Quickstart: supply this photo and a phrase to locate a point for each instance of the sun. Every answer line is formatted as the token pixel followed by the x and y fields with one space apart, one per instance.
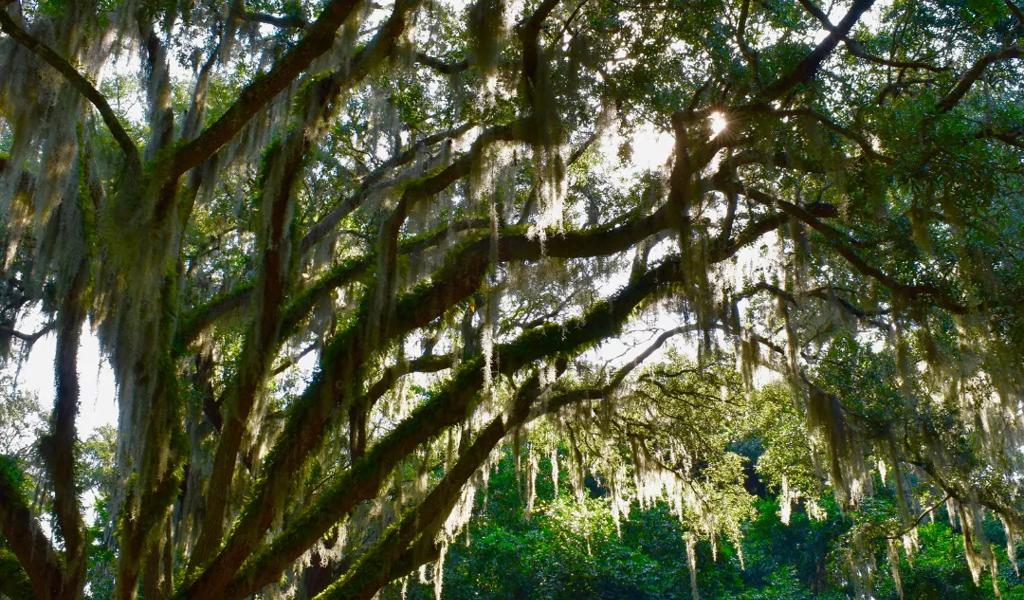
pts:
pixel 718 123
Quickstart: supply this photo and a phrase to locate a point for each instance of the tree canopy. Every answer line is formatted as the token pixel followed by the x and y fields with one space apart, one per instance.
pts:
pixel 440 204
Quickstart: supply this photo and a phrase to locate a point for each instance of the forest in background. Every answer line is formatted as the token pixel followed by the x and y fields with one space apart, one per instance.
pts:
pixel 571 550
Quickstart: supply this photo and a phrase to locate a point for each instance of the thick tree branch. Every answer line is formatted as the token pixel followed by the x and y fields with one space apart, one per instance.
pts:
pixel 283 171
pixel 856 48
pixel 374 569
pixel 443 410
pixel 58 446
pixel 78 81
pixel 311 414
pixel 285 22
pixel 258 349
pixel 809 65
pixel 28 338
pixel 445 68
pixel 1016 12
pixel 263 89
pixel 416 191
pixel 27 540
pixel 1013 137
pixel 963 85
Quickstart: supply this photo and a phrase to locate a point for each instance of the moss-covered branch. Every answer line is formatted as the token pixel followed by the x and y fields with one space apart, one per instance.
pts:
pixel 319 38
pixel 77 80
pixel 841 244
pixel 19 527
pixel 14 582
pixel 444 409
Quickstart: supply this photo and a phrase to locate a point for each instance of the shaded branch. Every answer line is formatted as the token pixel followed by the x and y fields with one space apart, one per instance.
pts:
pixel 741 39
pixel 446 68
pixel 14 582
pixel 285 22
pixel 77 81
pixel 28 338
pixel 26 538
pixel 809 65
pixel 963 85
pixel 264 88
pixel 58 445
pixel 856 48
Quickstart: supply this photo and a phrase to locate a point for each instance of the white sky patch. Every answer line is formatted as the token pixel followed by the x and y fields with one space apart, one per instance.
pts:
pixel 98 393
pixel 651 148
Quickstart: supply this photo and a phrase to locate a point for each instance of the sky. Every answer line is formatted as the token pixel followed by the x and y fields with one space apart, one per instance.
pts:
pixel 98 391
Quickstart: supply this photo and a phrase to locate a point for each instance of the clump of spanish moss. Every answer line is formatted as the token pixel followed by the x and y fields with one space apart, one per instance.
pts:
pixel 486 29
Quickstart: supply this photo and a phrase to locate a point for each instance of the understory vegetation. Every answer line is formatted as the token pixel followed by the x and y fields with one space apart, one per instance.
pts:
pixel 572 550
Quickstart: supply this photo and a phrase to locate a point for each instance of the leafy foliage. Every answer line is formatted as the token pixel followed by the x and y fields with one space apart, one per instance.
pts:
pixel 339 254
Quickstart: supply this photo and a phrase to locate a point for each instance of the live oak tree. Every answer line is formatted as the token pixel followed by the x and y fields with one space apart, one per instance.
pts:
pixel 221 189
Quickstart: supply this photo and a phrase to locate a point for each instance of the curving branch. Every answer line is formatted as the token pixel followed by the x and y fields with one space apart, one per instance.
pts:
pixel 966 81
pixel 842 245
pixel 846 132
pixel 1016 11
pixel 78 81
pixel 856 48
pixel 259 345
pixel 1013 137
pixel 377 567
pixel 319 39
pixel 749 54
pixel 414 192
pixel 28 338
pixel 807 67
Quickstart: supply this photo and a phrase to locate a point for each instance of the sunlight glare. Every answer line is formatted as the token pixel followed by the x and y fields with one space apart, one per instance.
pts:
pixel 651 148
pixel 718 123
